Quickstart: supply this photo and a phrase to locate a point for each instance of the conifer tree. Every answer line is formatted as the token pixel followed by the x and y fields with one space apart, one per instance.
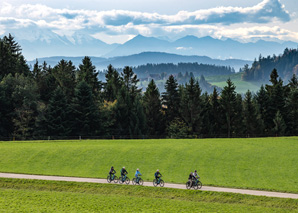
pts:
pixel 228 102
pixel 190 106
pixel 86 116
pixel 171 99
pixel 112 85
pixel 153 110
pixel 216 114
pixel 250 115
pixel 88 73
pixel 64 74
pixel 56 120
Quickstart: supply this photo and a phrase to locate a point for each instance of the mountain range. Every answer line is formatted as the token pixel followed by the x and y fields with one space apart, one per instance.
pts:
pixel 144 58
pixel 37 43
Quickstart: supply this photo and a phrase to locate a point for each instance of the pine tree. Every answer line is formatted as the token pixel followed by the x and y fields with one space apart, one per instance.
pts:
pixel 216 114
pixel 64 74
pixel 292 106
pixel 112 85
pixel 190 106
pixel 238 125
pixel 57 118
pixel 279 124
pixel 153 110
pixel 130 81
pixel 85 112
pixel 250 115
pixel 171 99
pixel 228 102
pixel 88 73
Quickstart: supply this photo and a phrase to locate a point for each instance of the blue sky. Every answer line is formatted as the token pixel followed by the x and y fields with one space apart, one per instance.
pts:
pixel 119 20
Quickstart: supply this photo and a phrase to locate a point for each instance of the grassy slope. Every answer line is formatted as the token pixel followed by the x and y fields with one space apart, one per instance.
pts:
pixel 50 196
pixel 241 86
pixel 260 163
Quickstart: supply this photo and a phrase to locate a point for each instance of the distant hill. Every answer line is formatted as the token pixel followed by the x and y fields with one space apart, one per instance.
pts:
pixel 204 46
pixel 37 43
pixel 286 65
pixel 145 58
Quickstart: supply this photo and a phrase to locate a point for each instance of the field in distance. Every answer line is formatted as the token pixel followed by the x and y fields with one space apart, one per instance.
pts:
pixel 50 196
pixel 241 86
pixel 256 163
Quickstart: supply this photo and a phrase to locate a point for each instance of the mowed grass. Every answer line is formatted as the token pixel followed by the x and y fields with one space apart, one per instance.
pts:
pixel 49 196
pixel 256 163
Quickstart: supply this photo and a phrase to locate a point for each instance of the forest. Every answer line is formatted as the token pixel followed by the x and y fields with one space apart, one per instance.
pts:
pixel 286 64
pixel 65 101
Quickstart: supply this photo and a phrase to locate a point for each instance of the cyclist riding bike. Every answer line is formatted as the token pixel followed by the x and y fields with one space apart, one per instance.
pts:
pixel 112 173
pixel 157 176
pixel 123 173
pixel 196 176
pixel 191 178
pixel 137 174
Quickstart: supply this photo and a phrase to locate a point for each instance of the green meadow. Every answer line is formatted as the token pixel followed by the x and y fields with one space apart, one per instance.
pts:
pixel 50 196
pixel 241 86
pixel 256 163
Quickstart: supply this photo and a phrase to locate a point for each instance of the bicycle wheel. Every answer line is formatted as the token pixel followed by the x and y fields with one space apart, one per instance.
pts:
pixel 200 184
pixel 196 187
pixel 154 182
pixel 188 185
pixel 134 181
pixel 120 180
pixel 162 183
pixel 116 179
pixel 141 181
pixel 127 180
pixel 109 179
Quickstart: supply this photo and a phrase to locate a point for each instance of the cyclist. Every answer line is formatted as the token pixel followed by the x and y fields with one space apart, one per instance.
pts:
pixel 137 174
pixel 190 178
pixel 157 176
pixel 123 173
pixel 196 176
pixel 112 173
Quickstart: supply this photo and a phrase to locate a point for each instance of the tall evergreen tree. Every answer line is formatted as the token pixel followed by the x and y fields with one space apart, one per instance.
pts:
pixel 171 99
pixel 228 102
pixel 216 114
pixel 190 106
pixel 56 119
pixel 86 117
pixel 88 73
pixel 153 110
pixel 64 74
pixel 250 115
pixel 112 85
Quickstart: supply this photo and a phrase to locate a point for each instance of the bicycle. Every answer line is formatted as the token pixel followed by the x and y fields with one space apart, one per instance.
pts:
pixel 125 179
pixel 112 179
pixel 161 182
pixel 134 181
pixel 194 184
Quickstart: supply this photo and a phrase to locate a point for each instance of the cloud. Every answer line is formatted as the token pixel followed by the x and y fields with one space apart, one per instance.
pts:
pixel 217 22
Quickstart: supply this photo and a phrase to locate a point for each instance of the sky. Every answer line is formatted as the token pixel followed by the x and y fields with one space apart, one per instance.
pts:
pixel 116 21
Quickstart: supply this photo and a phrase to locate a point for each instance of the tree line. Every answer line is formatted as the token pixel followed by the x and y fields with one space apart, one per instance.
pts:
pixel 286 64
pixel 64 101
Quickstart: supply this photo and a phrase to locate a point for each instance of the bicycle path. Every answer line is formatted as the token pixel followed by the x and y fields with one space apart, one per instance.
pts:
pixel 167 185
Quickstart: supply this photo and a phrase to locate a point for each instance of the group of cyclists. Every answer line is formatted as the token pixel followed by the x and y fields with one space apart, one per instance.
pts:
pixel 193 177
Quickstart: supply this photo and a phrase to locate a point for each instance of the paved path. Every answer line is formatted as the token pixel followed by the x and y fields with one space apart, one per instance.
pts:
pixel 167 185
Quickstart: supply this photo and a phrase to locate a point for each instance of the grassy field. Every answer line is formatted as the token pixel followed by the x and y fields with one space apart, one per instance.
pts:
pixel 49 196
pixel 241 86
pixel 258 163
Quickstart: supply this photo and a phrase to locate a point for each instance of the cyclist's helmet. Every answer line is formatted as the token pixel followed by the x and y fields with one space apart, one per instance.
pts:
pixel 157 170
pixel 112 167
pixel 123 167
pixel 195 170
pixel 137 169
